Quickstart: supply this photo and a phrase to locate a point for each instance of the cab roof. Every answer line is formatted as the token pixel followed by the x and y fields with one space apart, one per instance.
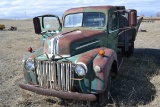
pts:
pixel 89 8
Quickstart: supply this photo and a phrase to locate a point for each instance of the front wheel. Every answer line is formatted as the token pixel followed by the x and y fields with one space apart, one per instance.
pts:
pixel 105 97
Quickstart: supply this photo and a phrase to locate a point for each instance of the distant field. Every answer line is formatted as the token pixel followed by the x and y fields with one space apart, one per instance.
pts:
pixel 137 83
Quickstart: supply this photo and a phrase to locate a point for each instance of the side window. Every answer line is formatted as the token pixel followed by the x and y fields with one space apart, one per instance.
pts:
pixel 94 19
pixel 113 21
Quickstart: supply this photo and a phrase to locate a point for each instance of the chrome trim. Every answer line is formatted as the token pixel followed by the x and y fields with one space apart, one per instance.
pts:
pixel 87 44
pixel 54 46
pixel 55 75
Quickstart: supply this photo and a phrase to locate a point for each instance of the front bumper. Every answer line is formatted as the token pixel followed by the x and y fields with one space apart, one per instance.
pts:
pixel 59 94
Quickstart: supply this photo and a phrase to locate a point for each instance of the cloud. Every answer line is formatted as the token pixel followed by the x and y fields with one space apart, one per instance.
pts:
pixel 30 8
pixel 146 7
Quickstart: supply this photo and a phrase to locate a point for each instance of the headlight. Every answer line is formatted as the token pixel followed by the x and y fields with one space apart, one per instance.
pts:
pixel 81 69
pixel 30 64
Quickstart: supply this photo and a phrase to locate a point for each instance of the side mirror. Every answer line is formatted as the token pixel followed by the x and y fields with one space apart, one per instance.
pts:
pixel 37 25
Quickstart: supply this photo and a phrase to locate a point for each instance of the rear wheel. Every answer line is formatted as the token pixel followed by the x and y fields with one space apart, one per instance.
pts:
pixel 130 51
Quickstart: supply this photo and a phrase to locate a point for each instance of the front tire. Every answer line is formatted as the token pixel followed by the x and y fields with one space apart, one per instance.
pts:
pixel 105 97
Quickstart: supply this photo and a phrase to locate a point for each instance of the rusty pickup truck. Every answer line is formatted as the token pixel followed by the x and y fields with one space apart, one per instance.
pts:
pixel 81 52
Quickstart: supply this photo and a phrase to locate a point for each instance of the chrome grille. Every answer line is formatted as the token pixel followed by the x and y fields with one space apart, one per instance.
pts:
pixel 55 75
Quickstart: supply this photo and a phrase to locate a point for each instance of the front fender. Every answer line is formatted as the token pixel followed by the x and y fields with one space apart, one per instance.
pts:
pixel 96 82
pixel 34 54
pixel 100 79
pixel 29 75
pixel 87 59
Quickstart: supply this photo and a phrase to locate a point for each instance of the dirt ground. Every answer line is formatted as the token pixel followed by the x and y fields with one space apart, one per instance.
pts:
pixel 137 83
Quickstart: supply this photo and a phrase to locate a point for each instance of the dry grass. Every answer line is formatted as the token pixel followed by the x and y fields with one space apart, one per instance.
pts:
pixel 133 85
pixel 137 83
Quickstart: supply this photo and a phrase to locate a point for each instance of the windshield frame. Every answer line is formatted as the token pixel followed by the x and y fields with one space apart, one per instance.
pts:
pixel 82 23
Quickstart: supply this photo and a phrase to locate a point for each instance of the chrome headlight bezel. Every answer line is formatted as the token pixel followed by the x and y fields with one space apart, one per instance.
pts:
pixel 81 69
pixel 30 64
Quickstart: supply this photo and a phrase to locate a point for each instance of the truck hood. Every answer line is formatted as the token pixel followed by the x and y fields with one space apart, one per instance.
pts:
pixel 69 43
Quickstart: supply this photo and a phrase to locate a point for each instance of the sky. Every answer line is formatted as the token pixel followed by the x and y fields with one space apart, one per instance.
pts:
pixel 23 9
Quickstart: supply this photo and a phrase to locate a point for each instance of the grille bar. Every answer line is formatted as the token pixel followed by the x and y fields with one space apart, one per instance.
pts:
pixel 55 75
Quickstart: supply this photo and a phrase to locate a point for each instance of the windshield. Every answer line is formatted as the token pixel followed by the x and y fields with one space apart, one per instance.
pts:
pixel 87 19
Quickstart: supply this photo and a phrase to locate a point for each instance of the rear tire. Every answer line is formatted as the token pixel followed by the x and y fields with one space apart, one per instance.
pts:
pixel 130 51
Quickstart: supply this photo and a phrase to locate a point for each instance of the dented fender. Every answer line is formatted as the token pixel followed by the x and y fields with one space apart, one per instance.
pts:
pixel 99 83
pixel 96 82
pixel 34 54
pixel 29 75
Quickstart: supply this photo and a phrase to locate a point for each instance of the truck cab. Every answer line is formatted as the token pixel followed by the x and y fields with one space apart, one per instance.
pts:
pixel 81 52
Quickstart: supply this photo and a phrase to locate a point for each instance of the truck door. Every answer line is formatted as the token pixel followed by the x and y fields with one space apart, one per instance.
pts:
pixel 47 23
pixel 112 39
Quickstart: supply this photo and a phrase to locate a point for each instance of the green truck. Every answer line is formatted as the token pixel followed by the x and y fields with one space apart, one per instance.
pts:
pixel 81 52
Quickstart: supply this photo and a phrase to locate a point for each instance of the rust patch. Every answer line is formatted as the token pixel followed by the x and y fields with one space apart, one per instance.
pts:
pixel 101 61
pixel 105 63
pixel 59 94
pixel 80 35
pixel 89 56
pixel 82 9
